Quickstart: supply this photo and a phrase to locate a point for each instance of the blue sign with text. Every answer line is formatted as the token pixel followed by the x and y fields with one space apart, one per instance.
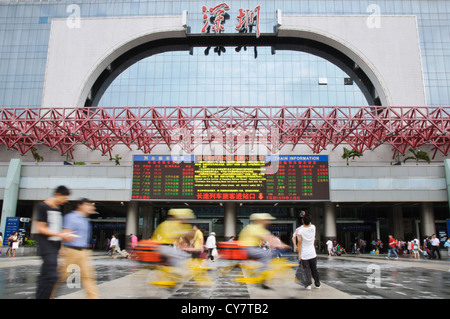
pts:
pixel 12 225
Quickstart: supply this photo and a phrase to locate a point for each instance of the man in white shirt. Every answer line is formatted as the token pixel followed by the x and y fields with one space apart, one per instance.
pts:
pixel 435 246
pixel 307 253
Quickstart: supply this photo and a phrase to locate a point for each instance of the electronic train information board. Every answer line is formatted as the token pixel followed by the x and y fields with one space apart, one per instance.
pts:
pixel 231 178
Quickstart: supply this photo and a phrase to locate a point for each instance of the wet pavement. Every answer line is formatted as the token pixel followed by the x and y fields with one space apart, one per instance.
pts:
pixel 349 277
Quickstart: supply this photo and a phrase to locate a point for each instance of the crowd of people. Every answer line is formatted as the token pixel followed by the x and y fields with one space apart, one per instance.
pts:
pixel 429 249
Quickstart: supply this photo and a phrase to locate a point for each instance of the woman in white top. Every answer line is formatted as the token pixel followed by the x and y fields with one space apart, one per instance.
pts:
pixel 307 253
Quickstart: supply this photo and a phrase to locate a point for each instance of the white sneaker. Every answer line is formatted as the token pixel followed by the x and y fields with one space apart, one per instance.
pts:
pixel 317 287
pixel 308 287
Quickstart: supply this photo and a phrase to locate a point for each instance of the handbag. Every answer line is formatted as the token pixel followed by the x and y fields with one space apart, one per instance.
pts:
pixel 303 275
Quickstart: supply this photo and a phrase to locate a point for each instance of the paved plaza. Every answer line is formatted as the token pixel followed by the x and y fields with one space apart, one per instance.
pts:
pixel 346 277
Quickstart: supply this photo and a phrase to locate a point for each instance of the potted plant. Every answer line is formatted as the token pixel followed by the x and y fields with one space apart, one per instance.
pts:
pixel 37 157
pixel 116 159
pixel 418 155
pixel 350 153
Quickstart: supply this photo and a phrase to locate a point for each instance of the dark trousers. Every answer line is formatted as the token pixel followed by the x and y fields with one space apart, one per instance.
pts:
pixel 311 265
pixel 435 252
pixel 48 276
pixel 210 256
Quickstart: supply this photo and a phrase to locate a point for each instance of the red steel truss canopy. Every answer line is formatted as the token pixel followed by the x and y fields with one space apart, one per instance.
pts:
pixel 102 128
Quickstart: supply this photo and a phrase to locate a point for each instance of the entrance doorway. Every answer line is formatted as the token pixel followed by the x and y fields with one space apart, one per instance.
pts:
pixel 102 229
pixel 350 233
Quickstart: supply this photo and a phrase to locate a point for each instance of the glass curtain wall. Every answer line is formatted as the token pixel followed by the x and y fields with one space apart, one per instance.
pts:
pixel 25 29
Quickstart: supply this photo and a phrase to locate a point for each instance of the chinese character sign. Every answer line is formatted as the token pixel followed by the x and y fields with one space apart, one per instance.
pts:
pixel 217 15
pixel 247 19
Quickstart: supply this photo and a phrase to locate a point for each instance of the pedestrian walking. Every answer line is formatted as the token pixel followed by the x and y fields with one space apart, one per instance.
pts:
pixel 50 235
pixel 197 242
pixel 77 252
pixel 307 253
pixel 114 246
pixel 392 247
pixel 435 243
pixel 211 245
pixel 329 244
pixel 134 241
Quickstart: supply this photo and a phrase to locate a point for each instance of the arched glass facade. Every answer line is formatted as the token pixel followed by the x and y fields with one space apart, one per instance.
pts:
pixel 286 78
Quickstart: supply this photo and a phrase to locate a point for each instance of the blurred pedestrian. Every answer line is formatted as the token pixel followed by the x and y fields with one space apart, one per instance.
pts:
pixel 392 247
pixel 107 243
pixel 415 248
pixel 329 244
pixel 134 241
pixel 211 245
pixel 169 232
pixel 435 243
pixel 13 242
pixel 251 236
pixel 197 242
pixel 77 252
pixel 50 235
pixel 307 253
pixel 114 246
pixel 363 245
pixel 447 245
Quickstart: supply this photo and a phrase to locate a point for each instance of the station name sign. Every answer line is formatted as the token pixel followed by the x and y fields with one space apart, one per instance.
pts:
pixel 214 19
pixel 230 178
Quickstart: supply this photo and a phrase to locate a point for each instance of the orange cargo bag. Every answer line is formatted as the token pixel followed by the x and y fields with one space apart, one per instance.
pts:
pixel 232 250
pixel 147 251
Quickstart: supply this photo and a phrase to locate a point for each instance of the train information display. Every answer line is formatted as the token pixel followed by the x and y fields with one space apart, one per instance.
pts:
pixel 230 178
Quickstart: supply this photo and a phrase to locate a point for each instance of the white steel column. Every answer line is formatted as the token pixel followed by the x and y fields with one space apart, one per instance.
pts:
pixel 329 220
pixel 427 222
pixel 230 219
pixel 132 225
